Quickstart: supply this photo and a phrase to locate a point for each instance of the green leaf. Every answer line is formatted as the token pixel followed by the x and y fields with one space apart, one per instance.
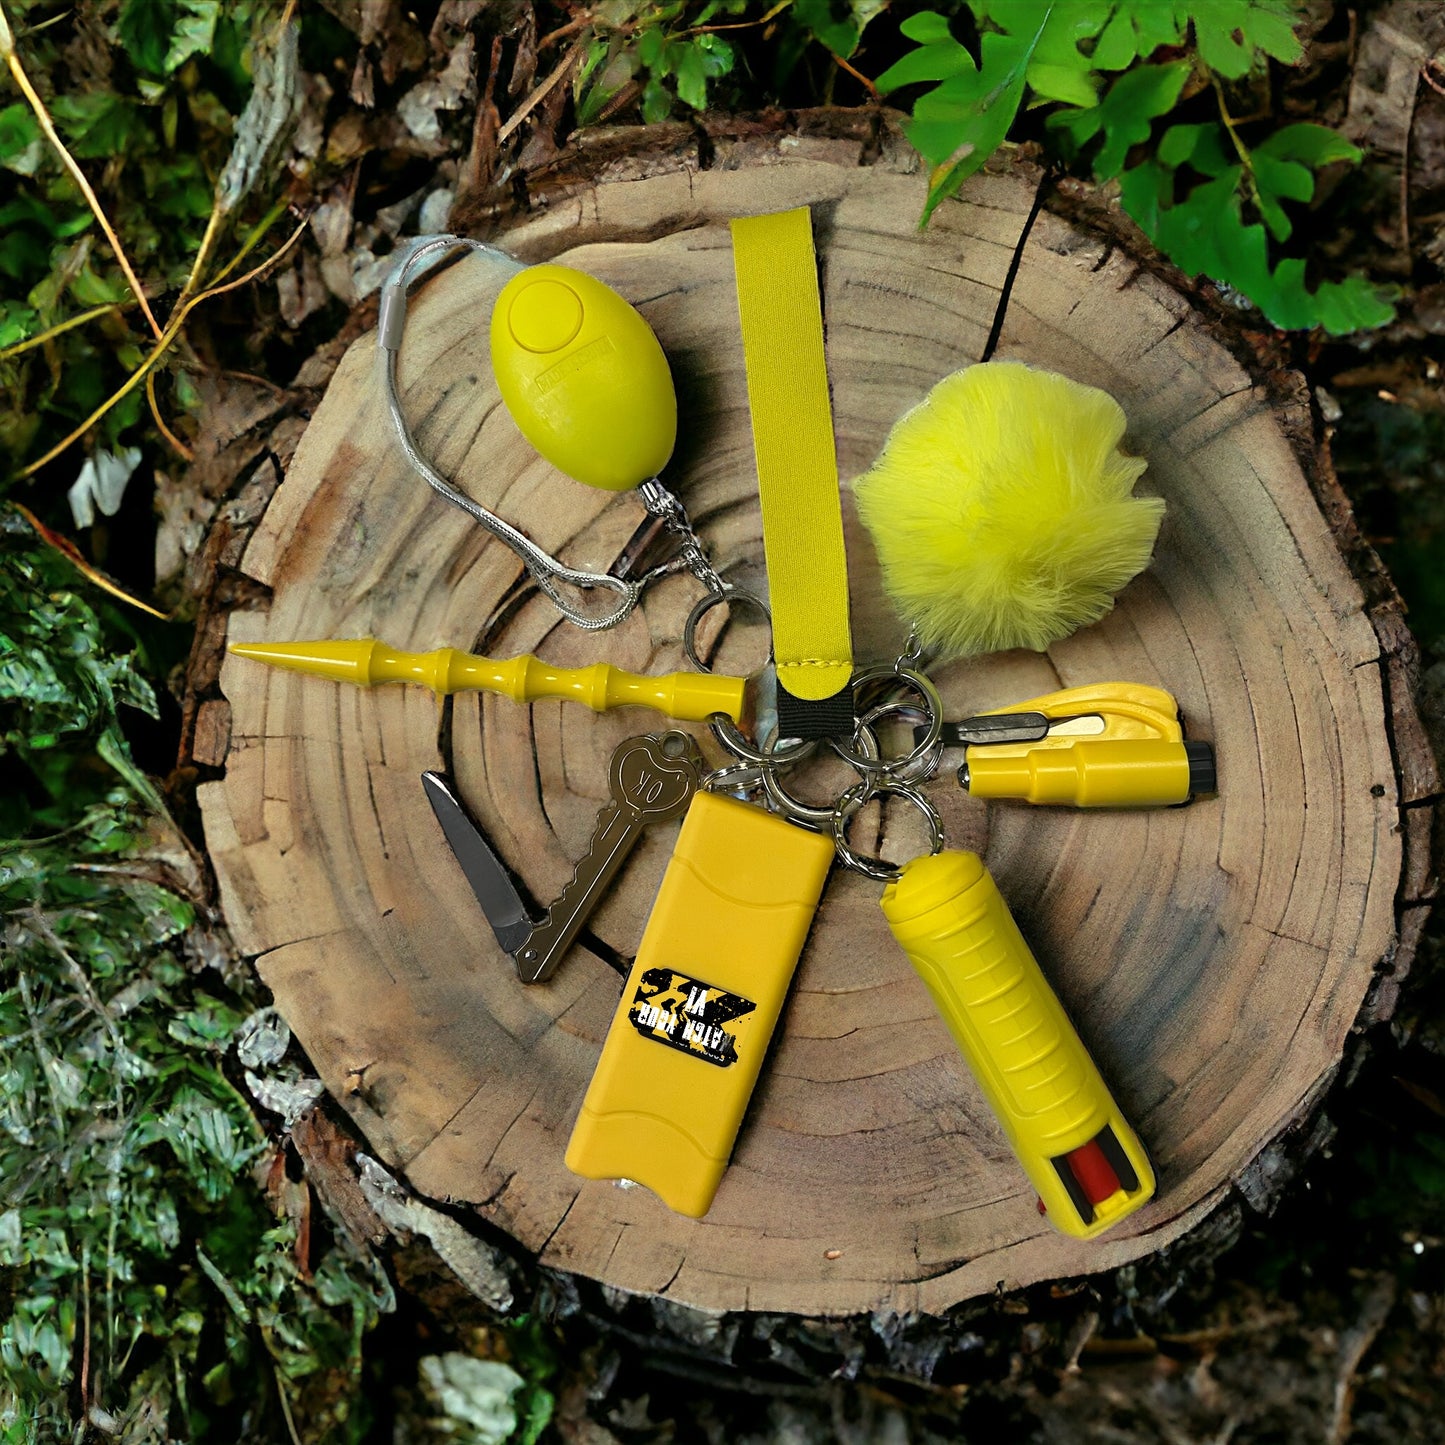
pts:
pixel 1204 147
pixel 17 322
pixel 649 47
pixel 608 66
pixel 144 30
pixel 90 288
pixel 1059 70
pixel 927 27
pixel 1116 47
pixel 1067 83
pixel 1354 304
pixel 830 22
pixel 1139 28
pixel 1231 33
pixel 1309 144
pixel 538 1407
pixel 23 254
pixel 656 101
pixel 1205 235
pixel 1158 24
pixel 1283 169
pixel 714 8
pixel 958 125
pixel 1013 16
pixel 1126 114
pixel 97 122
pixel 194 33
pixel 691 76
pixel 937 60
pixel 718 55
pixel 19 137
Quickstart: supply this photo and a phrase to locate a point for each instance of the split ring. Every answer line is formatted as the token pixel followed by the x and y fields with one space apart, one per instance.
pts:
pixel 853 800
pixel 901 767
pixel 818 817
pixel 724 729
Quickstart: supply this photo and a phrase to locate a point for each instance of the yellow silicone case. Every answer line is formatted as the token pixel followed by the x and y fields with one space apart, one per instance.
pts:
pixel 583 377
pixel 952 922
pixel 699 1005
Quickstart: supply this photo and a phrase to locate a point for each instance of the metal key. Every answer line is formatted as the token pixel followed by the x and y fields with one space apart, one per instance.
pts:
pixel 652 780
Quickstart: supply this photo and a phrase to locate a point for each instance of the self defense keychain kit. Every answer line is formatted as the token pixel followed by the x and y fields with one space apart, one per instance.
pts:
pixel 1003 515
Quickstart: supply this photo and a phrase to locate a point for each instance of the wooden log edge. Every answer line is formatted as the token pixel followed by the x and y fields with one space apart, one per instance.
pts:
pixel 858 137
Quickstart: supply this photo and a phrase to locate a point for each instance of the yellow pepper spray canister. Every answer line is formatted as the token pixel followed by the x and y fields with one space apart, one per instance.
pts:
pixel 699 1006
pixel 1078 1151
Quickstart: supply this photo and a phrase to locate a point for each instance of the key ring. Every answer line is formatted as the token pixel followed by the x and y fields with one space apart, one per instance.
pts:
pixel 727 732
pixel 904 767
pixel 815 816
pixel 852 802
pixel 737 779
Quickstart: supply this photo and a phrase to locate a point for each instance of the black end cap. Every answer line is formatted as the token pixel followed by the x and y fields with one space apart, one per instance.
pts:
pixel 1202 775
pixel 828 717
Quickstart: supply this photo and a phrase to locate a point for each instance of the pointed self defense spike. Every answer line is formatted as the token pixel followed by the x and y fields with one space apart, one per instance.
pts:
pixel 687 696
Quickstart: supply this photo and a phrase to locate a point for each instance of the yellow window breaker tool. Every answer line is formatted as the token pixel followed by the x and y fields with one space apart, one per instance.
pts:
pixel 1078 1151
pixel 1107 745
pixel 699 1006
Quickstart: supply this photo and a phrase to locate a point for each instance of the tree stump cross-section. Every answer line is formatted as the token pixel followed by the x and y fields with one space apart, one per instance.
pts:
pixel 1213 957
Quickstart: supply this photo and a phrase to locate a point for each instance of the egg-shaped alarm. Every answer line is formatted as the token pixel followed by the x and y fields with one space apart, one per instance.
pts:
pixel 583 377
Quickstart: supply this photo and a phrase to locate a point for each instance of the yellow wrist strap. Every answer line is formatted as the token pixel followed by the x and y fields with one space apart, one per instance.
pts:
pixel 782 326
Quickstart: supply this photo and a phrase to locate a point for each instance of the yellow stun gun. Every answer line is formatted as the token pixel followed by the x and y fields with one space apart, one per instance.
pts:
pixel 1087 1164
pixel 699 1005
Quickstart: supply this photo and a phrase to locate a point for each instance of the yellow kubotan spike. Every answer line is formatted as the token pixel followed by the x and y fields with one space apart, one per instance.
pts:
pixel 687 696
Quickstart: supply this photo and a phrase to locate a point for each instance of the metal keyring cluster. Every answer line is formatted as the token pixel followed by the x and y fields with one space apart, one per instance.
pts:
pixel 853 801
pixel 875 698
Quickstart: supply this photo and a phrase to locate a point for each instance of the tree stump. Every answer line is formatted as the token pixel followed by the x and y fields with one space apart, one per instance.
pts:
pixel 1214 957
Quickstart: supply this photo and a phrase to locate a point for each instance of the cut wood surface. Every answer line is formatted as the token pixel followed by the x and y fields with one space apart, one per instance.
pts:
pixel 1214 957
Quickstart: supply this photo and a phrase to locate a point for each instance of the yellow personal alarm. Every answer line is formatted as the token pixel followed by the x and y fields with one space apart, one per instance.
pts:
pixel 1078 1151
pixel 699 1005
pixel 584 377
pixel 587 383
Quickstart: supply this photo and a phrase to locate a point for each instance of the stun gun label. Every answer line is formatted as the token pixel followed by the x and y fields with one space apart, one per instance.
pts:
pixel 687 1014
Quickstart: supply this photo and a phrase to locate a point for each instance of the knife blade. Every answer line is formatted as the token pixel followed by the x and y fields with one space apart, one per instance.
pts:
pixel 495 891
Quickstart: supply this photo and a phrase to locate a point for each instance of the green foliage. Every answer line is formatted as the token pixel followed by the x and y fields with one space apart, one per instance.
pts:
pixel 134 1242
pixel 152 133
pixel 59 690
pixel 159 36
pixel 678 52
pixel 533 1347
pixel 1197 195
pixel 664 51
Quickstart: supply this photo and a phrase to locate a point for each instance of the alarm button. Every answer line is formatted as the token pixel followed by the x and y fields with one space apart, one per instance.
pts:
pixel 545 316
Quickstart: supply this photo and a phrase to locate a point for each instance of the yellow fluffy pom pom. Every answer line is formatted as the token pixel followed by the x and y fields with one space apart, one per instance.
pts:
pixel 1003 511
